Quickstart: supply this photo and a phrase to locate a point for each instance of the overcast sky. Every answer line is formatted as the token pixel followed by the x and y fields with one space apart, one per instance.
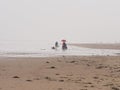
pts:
pixel 51 20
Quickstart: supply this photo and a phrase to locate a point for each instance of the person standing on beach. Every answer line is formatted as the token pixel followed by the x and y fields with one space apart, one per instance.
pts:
pixel 64 46
pixel 56 44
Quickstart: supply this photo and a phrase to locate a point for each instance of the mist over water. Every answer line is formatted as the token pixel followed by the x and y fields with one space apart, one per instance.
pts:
pixel 24 46
pixel 50 20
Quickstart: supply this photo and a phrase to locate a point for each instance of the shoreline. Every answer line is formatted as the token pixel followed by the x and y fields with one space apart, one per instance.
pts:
pixel 73 49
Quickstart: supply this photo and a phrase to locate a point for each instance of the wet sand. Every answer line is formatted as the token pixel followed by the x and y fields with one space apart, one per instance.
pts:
pixel 60 73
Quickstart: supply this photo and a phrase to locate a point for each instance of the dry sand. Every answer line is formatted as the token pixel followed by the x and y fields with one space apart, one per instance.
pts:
pixel 60 73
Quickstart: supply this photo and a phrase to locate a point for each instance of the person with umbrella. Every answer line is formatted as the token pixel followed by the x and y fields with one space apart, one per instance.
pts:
pixel 64 45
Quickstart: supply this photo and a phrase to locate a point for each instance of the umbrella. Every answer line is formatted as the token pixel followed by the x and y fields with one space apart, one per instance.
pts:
pixel 63 40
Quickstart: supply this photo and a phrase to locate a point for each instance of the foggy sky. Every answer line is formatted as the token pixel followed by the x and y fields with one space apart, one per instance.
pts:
pixel 51 20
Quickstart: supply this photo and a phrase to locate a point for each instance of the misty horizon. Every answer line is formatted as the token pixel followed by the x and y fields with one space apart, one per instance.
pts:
pixel 77 21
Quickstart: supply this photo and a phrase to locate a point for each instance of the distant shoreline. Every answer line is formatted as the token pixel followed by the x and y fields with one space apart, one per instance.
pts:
pixel 98 45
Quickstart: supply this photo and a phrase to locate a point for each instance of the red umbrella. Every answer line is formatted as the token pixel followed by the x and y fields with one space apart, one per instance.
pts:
pixel 63 40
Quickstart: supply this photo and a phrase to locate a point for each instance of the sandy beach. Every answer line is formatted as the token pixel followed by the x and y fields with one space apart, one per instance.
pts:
pixel 60 73
pixel 59 44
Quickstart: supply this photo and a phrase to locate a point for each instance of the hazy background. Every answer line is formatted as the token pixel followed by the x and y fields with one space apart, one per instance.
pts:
pixel 51 20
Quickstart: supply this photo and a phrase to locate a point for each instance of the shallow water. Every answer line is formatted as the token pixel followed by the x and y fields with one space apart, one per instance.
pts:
pixel 38 49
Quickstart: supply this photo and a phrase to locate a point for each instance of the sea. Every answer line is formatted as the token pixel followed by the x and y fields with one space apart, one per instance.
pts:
pixel 43 49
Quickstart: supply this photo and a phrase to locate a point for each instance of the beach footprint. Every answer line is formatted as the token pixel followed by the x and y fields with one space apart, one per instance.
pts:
pixel 15 77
